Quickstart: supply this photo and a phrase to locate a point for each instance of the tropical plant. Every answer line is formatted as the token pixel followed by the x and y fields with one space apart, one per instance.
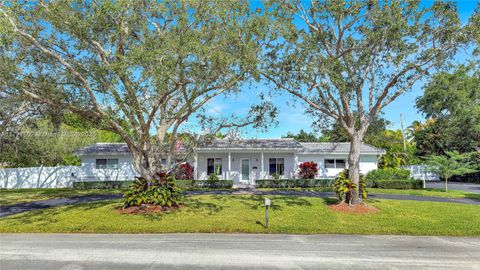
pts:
pixel 345 188
pixel 276 176
pixel 308 170
pixel 184 171
pixel 213 177
pixel 451 164
pixel 161 191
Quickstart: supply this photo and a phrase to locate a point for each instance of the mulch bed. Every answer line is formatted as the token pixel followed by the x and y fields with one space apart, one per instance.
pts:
pixel 355 209
pixel 147 209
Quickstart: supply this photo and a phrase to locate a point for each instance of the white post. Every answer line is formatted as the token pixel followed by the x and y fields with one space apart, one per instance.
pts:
pixel 229 165
pixel 195 165
pixel 262 176
pixel 296 165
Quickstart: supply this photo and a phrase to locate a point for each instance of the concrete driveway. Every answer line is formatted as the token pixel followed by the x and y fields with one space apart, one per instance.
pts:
pixel 470 187
pixel 235 251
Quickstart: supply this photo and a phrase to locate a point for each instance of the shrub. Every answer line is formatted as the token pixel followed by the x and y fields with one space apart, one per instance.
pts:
pixel 102 184
pixel 194 184
pixel 213 177
pixel 387 174
pixel 345 188
pixel 276 176
pixel 308 170
pixel 467 178
pixel 294 183
pixel 399 184
pixel 184 171
pixel 162 192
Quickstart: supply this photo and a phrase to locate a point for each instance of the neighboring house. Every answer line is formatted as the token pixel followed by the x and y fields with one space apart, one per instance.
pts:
pixel 242 161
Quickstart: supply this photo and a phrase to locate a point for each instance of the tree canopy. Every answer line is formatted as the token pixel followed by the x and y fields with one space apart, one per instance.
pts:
pixel 140 69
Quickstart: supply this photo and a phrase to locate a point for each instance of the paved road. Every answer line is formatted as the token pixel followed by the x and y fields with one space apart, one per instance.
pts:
pixel 470 187
pixel 235 251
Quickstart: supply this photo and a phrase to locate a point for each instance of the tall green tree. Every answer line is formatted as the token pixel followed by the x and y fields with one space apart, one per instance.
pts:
pixel 357 56
pixel 140 69
pixel 303 136
pixel 452 101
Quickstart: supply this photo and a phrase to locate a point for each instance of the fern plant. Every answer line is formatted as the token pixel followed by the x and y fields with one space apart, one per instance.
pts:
pixel 344 187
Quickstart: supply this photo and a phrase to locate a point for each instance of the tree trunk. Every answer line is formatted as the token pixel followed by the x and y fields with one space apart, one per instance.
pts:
pixel 145 167
pixel 446 184
pixel 354 167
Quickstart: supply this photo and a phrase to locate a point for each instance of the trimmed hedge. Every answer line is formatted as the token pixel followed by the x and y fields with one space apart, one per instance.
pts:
pixel 102 184
pixel 398 184
pixel 184 184
pixel 467 178
pixel 388 173
pixel 294 183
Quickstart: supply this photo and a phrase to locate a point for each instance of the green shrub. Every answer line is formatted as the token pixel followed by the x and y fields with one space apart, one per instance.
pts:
pixel 162 192
pixel 294 183
pixel 467 178
pixel 344 187
pixel 387 174
pixel 212 184
pixel 399 184
pixel 183 184
pixel 102 184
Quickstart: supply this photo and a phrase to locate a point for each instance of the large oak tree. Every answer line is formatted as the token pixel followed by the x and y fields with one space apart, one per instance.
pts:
pixel 138 68
pixel 347 60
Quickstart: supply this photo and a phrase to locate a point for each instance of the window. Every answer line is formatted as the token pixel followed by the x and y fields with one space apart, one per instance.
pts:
pixel 104 163
pixel 214 165
pixel 335 163
pixel 276 165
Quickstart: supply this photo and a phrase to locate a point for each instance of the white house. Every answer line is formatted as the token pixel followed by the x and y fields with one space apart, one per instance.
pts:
pixel 242 161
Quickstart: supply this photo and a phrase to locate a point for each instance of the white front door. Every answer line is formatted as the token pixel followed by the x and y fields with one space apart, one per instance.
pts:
pixel 245 168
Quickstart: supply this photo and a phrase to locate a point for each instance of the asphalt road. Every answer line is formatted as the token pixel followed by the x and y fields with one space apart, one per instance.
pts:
pixel 235 251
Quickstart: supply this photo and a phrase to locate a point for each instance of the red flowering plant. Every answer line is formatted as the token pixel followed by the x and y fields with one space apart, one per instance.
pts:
pixel 184 171
pixel 308 170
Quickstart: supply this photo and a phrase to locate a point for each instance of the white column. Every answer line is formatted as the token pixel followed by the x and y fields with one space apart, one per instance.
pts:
pixel 262 170
pixel 296 165
pixel 229 165
pixel 195 165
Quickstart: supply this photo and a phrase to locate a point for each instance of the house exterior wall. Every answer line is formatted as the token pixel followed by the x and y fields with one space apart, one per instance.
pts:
pixel 368 162
pixel 89 172
pixel 255 165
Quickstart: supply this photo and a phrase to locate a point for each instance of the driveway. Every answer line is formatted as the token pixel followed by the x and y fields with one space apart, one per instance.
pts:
pixel 470 187
pixel 235 251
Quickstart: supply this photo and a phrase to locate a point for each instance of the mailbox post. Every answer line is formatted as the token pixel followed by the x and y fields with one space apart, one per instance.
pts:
pixel 267 204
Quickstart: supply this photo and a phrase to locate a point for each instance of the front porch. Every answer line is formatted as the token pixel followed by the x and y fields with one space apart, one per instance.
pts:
pixel 244 167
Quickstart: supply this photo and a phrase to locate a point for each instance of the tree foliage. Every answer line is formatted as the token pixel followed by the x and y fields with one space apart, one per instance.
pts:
pixel 140 69
pixel 350 59
pixel 452 163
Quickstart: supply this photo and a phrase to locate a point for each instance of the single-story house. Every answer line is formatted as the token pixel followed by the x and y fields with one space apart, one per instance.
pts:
pixel 242 161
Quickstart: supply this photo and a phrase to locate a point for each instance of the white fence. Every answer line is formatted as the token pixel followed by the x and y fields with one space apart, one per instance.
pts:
pixel 58 177
pixel 420 172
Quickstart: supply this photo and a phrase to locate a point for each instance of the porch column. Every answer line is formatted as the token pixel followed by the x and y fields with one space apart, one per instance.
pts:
pixel 229 165
pixel 262 170
pixel 195 165
pixel 296 165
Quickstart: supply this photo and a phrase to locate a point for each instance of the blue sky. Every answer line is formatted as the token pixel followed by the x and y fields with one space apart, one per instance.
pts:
pixel 292 117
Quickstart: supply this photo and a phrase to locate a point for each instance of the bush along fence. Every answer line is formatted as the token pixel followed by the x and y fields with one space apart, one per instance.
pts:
pixel 392 178
pixel 183 184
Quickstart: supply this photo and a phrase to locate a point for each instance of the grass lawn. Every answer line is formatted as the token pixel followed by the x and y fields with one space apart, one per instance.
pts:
pixel 14 196
pixel 429 192
pixel 245 213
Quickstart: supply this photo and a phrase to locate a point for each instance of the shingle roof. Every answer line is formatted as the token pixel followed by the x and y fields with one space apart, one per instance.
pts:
pixel 285 143
pixel 104 149
pixel 337 147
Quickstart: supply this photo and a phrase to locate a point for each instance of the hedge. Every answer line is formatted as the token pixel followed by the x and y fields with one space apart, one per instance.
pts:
pixel 294 183
pixel 467 178
pixel 184 184
pixel 398 184
pixel 388 174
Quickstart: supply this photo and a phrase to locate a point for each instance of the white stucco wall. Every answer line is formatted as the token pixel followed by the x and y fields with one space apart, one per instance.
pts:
pixel 367 163
pixel 124 172
pixel 255 162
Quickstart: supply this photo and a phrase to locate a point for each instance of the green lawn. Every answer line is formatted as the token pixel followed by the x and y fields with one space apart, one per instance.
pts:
pixel 14 196
pixel 243 213
pixel 429 192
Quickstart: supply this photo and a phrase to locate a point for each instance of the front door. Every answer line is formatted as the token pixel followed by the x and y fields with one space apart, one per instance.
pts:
pixel 245 165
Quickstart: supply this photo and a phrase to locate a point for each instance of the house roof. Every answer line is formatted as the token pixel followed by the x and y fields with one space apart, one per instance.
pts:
pixel 337 148
pixel 245 144
pixel 104 149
